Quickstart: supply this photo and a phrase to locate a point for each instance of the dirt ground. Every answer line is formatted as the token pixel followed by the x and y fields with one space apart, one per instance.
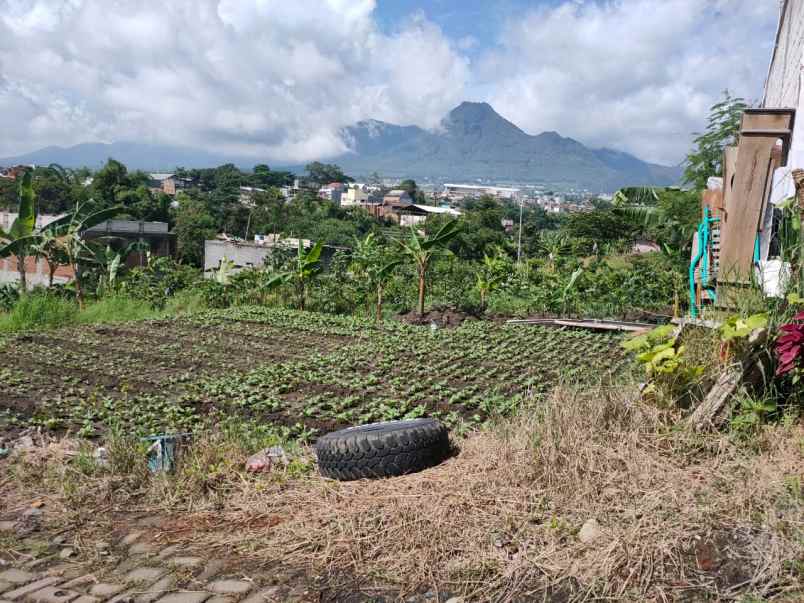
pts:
pixel 593 497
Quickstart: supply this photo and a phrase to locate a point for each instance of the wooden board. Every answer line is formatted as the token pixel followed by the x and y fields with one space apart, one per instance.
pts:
pixel 748 189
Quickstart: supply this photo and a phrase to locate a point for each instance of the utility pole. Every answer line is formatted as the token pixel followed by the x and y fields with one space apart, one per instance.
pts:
pixel 519 243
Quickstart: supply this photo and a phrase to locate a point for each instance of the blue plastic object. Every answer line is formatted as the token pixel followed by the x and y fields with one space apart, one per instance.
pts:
pixel 162 453
pixel 702 257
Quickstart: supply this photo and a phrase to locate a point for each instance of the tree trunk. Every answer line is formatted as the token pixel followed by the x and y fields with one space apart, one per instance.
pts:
pixel 51 274
pixel 379 303
pixel 79 292
pixel 421 291
pixel 23 276
pixel 301 297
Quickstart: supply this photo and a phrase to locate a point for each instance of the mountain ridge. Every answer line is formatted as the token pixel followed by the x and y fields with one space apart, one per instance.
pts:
pixel 473 142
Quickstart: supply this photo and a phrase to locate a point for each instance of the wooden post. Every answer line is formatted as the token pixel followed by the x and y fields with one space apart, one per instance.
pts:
pixel 798 179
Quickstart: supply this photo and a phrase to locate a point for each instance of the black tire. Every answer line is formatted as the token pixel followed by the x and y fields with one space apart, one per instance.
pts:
pixel 382 449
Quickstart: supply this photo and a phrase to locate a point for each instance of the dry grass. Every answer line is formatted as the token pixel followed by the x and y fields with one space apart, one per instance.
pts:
pixel 682 516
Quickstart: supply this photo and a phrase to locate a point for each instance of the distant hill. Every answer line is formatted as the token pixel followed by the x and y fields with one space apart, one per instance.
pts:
pixel 473 142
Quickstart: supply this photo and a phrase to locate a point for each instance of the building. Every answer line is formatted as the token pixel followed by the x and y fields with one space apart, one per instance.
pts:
pixel 12 173
pixel 416 214
pixel 247 194
pixel 456 192
pixel 253 254
pixel 355 194
pixel 117 233
pixel 167 183
pixel 332 192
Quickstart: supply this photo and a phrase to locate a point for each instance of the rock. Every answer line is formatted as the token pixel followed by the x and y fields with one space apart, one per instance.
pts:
pixel 101 456
pixel 265 459
pixel 590 531
pixel 66 553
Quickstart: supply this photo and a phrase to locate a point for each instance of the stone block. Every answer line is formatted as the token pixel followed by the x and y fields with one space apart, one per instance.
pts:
pixel 87 599
pixel 266 595
pixel 15 576
pixel 186 561
pixel 81 581
pixel 230 587
pixel 145 574
pixel 106 589
pixel 142 548
pixel 52 594
pixel 4 586
pixel 221 599
pixel 184 596
pixel 156 590
pixel 131 538
pixel 23 591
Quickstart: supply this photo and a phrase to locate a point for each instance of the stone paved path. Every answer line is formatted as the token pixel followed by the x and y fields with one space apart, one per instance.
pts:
pixel 136 570
pixel 146 573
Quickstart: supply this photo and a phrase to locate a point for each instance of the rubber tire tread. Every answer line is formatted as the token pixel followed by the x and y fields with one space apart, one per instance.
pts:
pixel 352 454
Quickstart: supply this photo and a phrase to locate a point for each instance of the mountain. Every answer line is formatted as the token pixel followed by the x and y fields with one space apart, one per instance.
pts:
pixel 133 154
pixel 472 143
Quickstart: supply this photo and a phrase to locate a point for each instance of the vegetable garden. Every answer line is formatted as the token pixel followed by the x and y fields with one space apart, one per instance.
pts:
pixel 303 373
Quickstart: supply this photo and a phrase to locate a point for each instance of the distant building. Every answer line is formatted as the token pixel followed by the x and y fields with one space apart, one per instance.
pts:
pixel 507 224
pixel 12 173
pixel 119 233
pixel 456 192
pixel 252 254
pixel 166 183
pixel 416 214
pixel 355 194
pixel 247 194
pixel 332 192
pixel 397 197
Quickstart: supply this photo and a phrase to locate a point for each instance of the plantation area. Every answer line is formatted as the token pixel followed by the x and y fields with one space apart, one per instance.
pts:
pixel 306 373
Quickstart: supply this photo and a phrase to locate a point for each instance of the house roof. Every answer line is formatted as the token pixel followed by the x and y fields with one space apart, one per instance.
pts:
pixel 432 209
pixel 160 177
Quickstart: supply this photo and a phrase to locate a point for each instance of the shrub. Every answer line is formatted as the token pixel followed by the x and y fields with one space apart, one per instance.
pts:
pixel 39 310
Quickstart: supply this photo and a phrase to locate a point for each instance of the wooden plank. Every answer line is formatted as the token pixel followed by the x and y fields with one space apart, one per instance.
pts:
pixel 767 119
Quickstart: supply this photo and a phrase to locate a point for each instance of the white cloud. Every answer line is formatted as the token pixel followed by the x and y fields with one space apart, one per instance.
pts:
pixel 268 78
pixel 638 75
pixel 276 79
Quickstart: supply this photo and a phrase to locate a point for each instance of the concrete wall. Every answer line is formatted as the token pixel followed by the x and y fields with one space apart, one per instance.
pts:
pixel 36 273
pixel 782 88
pixel 243 255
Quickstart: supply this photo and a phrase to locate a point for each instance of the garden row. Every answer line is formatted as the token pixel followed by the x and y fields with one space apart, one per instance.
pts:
pixel 306 372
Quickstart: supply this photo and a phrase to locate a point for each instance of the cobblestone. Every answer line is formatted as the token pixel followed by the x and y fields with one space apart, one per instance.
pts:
pixel 221 599
pixel 142 548
pixel 87 599
pixel 21 592
pixel 4 586
pixel 145 574
pixel 185 596
pixel 131 538
pixel 230 587
pixel 15 576
pixel 186 561
pixel 52 594
pixel 106 589
pixel 156 590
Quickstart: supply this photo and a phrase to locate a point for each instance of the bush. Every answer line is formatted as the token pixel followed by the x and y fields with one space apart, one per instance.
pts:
pixel 9 294
pixel 39 310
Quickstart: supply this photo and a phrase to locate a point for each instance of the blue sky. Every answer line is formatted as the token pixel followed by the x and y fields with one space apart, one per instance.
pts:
pixel 278 79
pixel 479 20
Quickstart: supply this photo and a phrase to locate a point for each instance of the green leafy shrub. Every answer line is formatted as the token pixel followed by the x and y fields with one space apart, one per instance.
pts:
pixel 670 376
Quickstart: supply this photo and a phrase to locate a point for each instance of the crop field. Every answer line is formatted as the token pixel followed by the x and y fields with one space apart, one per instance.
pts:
pixel 302 372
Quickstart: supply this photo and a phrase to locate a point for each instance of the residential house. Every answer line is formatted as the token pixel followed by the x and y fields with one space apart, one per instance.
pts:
pixel 117 233
pixel 455 192
pixel 354 195
pixel 247 194
pixel 332 192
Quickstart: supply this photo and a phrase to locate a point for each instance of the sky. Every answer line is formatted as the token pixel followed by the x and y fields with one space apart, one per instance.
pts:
pixel 278 79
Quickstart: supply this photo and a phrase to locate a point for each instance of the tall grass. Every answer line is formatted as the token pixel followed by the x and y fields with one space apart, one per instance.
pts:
pixel 38 312
pixel 41 311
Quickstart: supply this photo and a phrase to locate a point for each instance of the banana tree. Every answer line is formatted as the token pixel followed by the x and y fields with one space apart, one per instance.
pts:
pixel 370 262
pixel 18 240
pixel 111 260
pixel 47 246
pixel 67 233
pixel 422 249
pixel 305 267
pixel 492 272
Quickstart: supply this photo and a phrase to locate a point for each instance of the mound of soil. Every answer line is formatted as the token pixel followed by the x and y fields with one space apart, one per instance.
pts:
pixel 443 317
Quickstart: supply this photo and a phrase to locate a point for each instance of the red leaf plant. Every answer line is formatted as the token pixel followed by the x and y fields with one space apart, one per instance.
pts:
pixel 788 347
